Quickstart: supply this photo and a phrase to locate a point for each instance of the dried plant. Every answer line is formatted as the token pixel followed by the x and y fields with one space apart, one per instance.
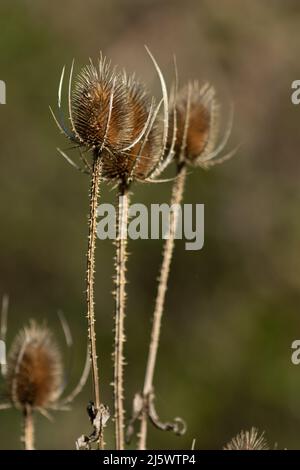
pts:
pixel 96 125
pixel 248 440
pixel 144 161
pixel 34 377
pixel 112 116
pixel 196 112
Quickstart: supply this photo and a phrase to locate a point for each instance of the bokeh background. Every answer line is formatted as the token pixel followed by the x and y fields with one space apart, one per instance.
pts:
pixel 232 309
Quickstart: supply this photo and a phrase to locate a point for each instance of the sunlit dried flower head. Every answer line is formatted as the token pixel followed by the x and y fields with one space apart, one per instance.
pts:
pixel 35 372
pixel 112 115
pixel 198 124
pixel 248 440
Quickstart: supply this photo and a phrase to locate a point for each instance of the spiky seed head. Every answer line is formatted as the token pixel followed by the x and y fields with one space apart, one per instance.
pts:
pixel 140 158
pixel 248 440
pixel 110 112
pixel 34 368
pixel 197 113
pixel 96 118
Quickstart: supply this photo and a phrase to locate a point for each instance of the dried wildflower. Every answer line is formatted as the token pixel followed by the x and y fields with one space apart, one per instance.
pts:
pixel 113 117
pixel 35 376
pixel 198 123
pixel 194 122
pixel 248 440
pixel 34 368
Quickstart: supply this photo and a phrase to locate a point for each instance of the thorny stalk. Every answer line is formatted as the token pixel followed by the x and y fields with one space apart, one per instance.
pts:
pixel 120 299
pixel 176 198
pixel 94 193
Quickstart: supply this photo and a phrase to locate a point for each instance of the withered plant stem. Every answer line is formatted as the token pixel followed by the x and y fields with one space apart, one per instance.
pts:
pixel 94 194
pixel 120 300
pixel 28 429
pixel 176 198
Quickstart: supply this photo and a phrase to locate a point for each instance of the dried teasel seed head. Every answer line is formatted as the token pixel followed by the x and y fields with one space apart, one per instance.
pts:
pixel 99 108
pixel 112 115
pixel 248 440
pixel 138 159
pixel 197 113
pixel 34 368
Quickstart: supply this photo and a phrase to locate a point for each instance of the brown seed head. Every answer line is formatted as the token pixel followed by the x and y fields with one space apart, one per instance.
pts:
pixel 138 160
pixel 197 122
pixel 248 440
pixel 99 108
pixel 111 115
pixel 34 368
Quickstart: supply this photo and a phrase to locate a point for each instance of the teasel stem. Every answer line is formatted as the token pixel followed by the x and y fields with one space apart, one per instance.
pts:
pixel 28 428
pixel 94 193
pixel 120 300
pixel 176 198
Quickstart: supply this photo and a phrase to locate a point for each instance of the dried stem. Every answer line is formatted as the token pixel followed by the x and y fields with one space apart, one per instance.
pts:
pixel 120 299
pixel 176 198
pixel 94 192
pixel 28 429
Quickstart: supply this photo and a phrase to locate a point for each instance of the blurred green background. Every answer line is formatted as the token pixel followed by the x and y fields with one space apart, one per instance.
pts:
pixel 232 309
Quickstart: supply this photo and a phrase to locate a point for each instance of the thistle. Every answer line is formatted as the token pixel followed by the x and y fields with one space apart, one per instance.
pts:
pixel 196 111
pixel 248 440
pixel 34 377
pixel 112 116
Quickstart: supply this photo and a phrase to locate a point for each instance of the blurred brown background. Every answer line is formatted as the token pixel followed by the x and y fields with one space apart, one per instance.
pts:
pixel 232 308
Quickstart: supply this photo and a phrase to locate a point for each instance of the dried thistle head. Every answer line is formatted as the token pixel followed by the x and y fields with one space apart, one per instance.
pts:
pixel 113 116
pixel 248 440
pixel 198 122
pixel 34 368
